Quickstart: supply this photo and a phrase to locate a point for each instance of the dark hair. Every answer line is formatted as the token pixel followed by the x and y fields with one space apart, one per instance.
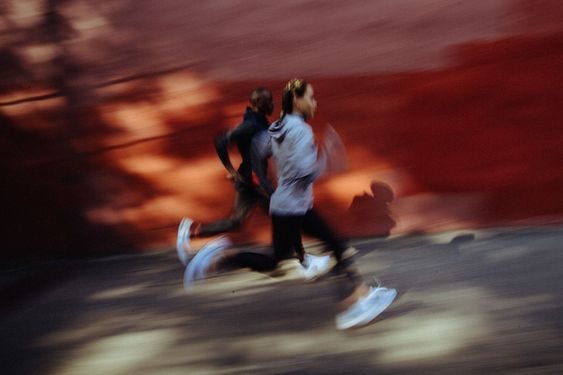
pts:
pixel 261 99
pixel 295 88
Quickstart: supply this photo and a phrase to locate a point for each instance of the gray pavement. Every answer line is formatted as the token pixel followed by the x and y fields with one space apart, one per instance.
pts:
pixel 486 301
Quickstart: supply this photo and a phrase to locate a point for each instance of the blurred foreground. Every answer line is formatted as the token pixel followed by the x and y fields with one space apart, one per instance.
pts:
pixel 470 302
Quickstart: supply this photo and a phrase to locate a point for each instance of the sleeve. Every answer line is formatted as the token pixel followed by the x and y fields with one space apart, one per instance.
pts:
pixel 244 130
pixel 224 139
pixel 260 151
pixel 310 163
pixel 222 148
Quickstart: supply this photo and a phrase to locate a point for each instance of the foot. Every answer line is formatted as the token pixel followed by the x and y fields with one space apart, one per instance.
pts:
pixel 349 252
pixel 200 264
pixel 183 240
pixel 315 266
pixel 366 308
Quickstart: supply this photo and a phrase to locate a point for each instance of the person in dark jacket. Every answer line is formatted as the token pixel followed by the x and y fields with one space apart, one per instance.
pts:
pixel 248 192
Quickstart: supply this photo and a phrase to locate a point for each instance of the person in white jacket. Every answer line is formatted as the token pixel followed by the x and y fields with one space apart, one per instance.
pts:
pixel 298 164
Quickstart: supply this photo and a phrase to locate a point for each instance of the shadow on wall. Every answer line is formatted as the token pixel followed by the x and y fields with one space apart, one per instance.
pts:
pixel 486 127
pixel 42 211
pixel 372 211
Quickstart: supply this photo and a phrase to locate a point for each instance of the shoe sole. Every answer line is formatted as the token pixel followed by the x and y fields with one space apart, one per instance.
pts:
pixel 323 273
pixel 196 268
pixel 389 297
pixel 182 238
pixel 387 300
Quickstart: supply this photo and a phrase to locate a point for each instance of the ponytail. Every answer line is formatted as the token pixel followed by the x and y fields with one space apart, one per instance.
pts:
pixel 294 88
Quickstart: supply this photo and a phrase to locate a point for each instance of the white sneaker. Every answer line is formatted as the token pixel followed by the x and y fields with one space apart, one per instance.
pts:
pixel 183 240
pixel 366 308
pixel 314 266
pixel 197 267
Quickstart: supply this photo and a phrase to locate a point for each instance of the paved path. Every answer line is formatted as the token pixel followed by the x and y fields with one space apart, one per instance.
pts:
pixel 469 302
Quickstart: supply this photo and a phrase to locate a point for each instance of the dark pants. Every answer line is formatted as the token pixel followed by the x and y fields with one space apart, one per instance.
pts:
pixel 246 198
pixel 261 260
pixel 287 240
pixel 287 235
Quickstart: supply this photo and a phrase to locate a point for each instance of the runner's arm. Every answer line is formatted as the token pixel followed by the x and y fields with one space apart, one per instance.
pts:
pixel 312 162
pixel 260 151
pixel 225 139
pixel 222 148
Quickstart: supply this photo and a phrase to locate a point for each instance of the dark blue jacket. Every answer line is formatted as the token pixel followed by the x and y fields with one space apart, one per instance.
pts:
pixel 252 123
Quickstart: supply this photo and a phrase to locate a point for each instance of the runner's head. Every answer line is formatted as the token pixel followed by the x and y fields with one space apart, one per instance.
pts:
pixel 261 101
pixel 298 96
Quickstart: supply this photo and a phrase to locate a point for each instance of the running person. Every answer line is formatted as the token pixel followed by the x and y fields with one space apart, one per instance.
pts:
pixel 298 165
pixel 261 151
pixel 248 194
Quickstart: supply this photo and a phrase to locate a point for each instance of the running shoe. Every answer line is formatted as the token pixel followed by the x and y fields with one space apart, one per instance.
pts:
pixel 183 240
pixel 198 265
pixel 366 308
pixel 315 266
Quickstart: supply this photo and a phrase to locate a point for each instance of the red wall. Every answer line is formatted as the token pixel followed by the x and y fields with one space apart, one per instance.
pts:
pixel 111 166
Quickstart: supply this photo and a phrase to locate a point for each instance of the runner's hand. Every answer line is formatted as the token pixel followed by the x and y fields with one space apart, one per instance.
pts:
pixel 335 151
